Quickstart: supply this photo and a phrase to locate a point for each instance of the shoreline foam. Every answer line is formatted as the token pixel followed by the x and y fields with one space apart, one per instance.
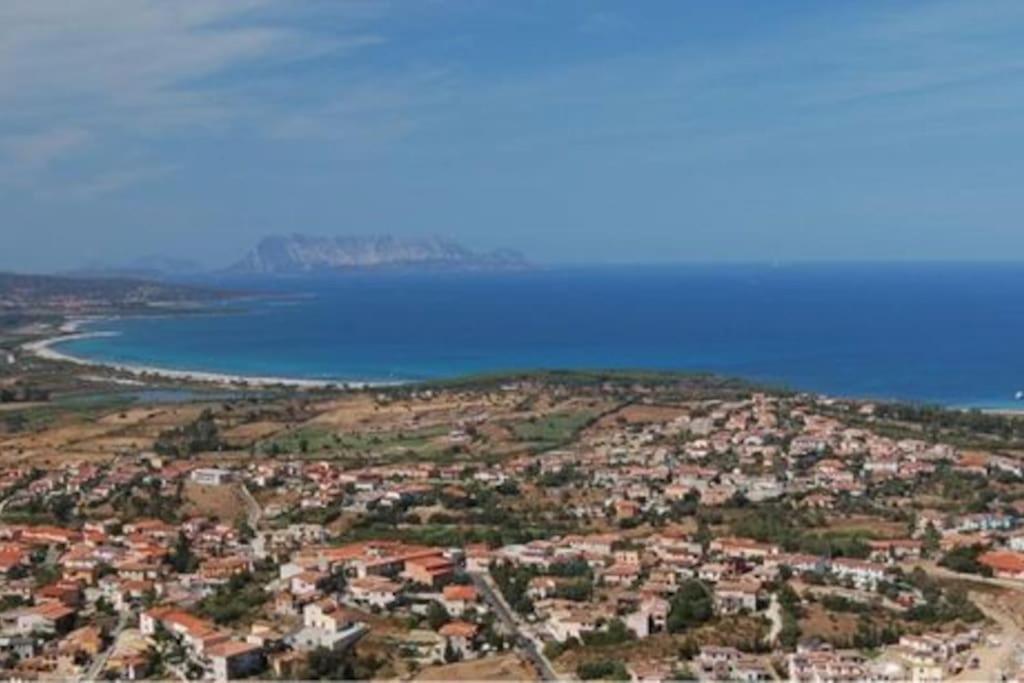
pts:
pixel 44 348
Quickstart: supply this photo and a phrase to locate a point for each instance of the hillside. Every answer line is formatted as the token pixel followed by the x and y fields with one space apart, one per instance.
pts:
pixel 21 291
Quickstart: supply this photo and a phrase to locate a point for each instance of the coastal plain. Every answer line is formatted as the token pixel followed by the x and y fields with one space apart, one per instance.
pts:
pixel 535 525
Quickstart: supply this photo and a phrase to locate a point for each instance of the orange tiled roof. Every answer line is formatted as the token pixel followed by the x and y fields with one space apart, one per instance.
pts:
pixel 457 592
pixel 230 648
pixel 458 629
pixel 1003 561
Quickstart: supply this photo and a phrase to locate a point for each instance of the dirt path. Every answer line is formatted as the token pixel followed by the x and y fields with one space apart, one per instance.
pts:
pixel 1000 657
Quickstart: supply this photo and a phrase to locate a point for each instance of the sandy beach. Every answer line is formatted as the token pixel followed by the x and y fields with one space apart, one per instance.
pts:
pixel 70 331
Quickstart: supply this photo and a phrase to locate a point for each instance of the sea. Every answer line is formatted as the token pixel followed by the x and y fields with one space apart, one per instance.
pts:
pixel 940 333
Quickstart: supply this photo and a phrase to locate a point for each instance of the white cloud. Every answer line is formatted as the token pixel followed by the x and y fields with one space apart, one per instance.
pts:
pixel 137 63
pixel 112 76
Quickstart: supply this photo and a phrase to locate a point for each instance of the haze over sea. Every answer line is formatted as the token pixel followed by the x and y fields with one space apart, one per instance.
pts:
pixel 945 333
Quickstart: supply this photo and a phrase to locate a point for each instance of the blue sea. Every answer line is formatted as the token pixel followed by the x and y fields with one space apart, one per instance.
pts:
pixel 942 333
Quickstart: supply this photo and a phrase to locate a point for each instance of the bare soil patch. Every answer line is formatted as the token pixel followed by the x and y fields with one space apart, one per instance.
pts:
pixel 499 668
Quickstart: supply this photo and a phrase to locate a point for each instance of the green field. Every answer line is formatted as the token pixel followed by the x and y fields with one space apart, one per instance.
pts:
pixel 313 440
pixel 552 431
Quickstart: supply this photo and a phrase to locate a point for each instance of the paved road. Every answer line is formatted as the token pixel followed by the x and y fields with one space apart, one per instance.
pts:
pixel 774 615
pixel 254 511
pixel 100 663
pixel 528 644
pixel 851 594
pixel 942 572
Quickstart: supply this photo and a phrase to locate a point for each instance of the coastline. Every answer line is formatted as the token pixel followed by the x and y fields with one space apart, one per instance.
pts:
pixel 70 331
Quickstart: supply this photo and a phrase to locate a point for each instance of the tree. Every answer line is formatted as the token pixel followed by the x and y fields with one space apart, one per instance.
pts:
pixel 244 531
pixel 437 615
pixel 932 538
pixel 182 558
pixel 62 507
pixel 334 583
pixel 327 664
pixel 965 560
pixel 691 606
pixel 684 674
pixel 615 633
pixel 703 534
pixel 607 670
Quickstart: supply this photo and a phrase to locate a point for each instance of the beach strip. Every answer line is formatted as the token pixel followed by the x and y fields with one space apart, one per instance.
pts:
pixel 45 349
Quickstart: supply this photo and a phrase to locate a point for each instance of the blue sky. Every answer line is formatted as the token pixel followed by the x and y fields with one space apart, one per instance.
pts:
pixel 576 131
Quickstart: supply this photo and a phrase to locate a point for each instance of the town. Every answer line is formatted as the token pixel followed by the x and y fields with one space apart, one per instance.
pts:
pixel 554 526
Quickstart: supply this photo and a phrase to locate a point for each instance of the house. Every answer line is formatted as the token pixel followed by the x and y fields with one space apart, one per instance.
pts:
pixel 458 598
pixel 893 550
pixel 1016 542
pixel 327 624
pixel 572 622
pixel 937 647
pixel 717 660
pixel 651 616
pixel 87 640
pixel 460 637
pixel 734 596
pixel 750 670
pixel 825 664
pixel 50 535
pixel 621 574
pixel 863 574
pixel 234 659
pixel 375 591
pixel 197 634
pixel 713 572
pixel 266 635
pixel 48 617
pixel 985 521
pixel 325 615
pixel 68 593
pixel 743 548
pixel 541 587
pixel 626 509
pixel 11 557
pixel 211 476
pixel 650 672
pixel 221 569
pixel 288 664
pixel 307 582
pixel 478 557
pixel 1004 564
pixel 799 562
pixel 432 572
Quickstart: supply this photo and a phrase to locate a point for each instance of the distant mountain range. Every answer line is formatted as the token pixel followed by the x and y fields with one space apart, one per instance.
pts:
pixel 304 254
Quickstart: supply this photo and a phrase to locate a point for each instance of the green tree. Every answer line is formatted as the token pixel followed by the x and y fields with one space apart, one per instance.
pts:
pixel 182 559
pixel 605 670
pixel 692 605
pixel 437 615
